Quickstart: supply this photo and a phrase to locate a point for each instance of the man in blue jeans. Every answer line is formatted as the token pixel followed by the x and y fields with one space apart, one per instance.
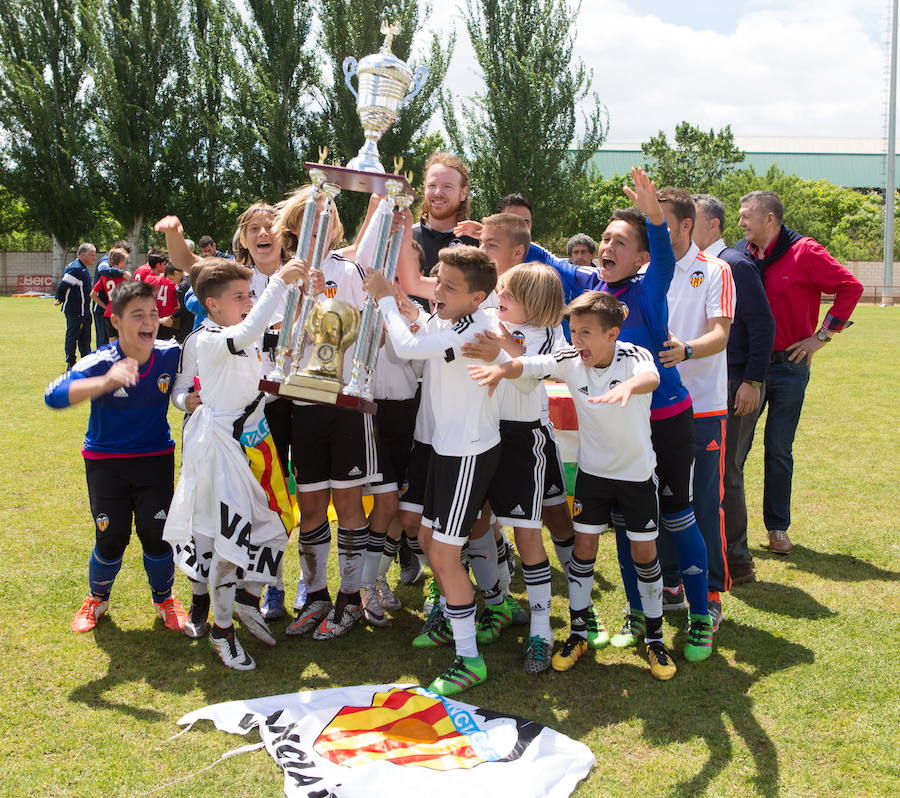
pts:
pixel 796 271
pixel 749 350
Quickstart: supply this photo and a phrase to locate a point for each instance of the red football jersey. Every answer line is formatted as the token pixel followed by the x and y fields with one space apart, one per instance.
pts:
pixel 166 299
pixel 104 287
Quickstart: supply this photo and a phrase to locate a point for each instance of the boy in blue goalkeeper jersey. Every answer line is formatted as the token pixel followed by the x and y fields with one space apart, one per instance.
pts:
pixel 128 450
pixel 636 266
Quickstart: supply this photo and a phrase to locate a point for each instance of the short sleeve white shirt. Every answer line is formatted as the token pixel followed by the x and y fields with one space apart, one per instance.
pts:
pixel 614 441
pixel 702 289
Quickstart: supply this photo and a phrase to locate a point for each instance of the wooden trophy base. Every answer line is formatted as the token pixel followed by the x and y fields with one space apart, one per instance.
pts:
pixel 318 395
pixel 358 180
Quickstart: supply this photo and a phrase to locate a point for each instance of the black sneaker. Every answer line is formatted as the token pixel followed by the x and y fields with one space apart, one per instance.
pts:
pixel 197 624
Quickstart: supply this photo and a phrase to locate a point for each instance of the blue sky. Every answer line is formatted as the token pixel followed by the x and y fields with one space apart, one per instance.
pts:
pixel 801 68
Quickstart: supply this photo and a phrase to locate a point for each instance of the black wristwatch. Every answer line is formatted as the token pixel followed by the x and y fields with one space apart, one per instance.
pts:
pixel 823 336
pixel 688 350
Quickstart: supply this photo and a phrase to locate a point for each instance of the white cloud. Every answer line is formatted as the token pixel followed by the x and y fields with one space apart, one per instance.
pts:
pixel 789 68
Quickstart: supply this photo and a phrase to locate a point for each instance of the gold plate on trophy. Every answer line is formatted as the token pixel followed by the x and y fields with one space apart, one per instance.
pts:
pixel 357 180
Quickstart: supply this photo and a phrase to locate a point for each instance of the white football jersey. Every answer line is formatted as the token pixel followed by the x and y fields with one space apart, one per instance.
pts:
pixel 702 289
pixel 613 441
pixel 466 419
pixel 517 401
pixel 229 363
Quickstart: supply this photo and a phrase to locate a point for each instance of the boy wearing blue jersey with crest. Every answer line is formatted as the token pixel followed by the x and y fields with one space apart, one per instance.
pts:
pixel 128 450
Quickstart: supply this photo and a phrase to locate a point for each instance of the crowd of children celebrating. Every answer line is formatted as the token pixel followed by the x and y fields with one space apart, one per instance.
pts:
pixel 461 445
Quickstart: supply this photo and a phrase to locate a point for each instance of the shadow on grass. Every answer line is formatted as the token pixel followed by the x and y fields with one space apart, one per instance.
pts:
pixel 174 664
pixel 828 565
pixel 781 600
pixel 698 704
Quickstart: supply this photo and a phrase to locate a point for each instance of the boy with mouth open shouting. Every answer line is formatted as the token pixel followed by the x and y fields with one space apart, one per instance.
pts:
pixel 611 383
pixel 128 450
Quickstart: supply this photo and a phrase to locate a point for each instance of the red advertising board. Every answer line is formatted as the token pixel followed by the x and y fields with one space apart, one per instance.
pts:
pixel 36 282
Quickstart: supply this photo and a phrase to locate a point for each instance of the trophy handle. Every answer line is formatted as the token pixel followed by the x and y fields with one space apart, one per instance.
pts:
pixel 349 67
pixel 418 81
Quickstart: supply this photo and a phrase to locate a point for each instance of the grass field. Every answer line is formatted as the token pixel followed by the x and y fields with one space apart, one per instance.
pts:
pixel 799 699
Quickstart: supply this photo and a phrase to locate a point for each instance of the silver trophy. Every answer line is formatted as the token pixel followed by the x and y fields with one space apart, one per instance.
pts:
pixel 384 81
pixel 384 88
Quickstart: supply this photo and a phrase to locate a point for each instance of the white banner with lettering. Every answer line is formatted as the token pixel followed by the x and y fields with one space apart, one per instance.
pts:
pixel 398 741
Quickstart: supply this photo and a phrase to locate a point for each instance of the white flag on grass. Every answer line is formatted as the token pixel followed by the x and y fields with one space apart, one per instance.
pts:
pixel 399 741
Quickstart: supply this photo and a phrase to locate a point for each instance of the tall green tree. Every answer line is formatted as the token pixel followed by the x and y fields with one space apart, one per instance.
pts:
pixel 45 147
pixel 273 108
pixel 140 89
pixel 520 135
pixel 208 198
pixel 695 161
pixel 353 28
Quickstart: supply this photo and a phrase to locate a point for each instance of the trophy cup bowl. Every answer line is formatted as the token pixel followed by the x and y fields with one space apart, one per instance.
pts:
pixel 384 83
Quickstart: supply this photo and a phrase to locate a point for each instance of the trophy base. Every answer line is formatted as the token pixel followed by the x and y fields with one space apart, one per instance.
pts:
pixel 309 393
pixel 363 164
pixel 361 180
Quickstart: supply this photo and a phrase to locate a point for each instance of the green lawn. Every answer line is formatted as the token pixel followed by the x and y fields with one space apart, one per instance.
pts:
pixel 799 699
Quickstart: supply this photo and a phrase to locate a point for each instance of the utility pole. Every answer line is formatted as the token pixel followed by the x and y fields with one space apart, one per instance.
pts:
pixel 890 194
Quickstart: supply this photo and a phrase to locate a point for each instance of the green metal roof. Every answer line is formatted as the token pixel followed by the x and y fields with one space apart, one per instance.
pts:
pixel 854 170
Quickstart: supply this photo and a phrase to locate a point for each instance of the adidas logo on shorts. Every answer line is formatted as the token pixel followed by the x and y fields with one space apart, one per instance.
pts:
pixel 650 525
pixel 436 525
pixel 666 491
pixel 517 510
pixel 354 472
pixel 160 516
pixel 553 489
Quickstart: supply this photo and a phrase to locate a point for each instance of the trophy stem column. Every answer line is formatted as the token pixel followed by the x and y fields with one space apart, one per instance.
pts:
pixel 309 300
pixel 286 333
pixel 366 328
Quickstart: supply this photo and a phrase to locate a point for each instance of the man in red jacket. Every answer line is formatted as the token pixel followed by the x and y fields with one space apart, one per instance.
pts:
pixel 796 271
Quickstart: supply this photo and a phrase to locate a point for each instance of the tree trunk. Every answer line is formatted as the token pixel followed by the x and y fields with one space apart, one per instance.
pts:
pixel 134 236
pixel 57 258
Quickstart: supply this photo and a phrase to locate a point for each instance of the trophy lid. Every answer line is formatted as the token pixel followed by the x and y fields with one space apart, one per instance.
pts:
pixel 384 59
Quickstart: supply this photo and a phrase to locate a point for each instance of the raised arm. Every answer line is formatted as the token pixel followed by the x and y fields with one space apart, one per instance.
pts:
pixel 662 258
pixel 410 278
pixel 179 252
pixel 251 328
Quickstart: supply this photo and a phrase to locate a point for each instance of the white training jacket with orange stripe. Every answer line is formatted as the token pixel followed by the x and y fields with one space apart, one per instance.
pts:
pixel 702 289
